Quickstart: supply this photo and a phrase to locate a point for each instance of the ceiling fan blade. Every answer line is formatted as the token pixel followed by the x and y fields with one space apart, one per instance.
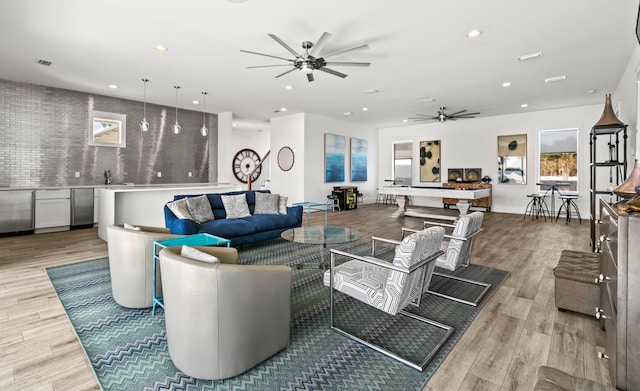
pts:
pixel 462 115
pixel 456 113
pixel 281 42
pixel 284 73
pixel 310 77
pixel 269 66
pixel 349 64
pixel 320 44
pixel 332 72
pixel 345 51
pixel 267 55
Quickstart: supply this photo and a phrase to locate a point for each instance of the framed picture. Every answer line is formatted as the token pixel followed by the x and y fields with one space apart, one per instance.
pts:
pixel 358 160
pixel 334 150
pixel 512 159
pixel 430 161
pixel 107 129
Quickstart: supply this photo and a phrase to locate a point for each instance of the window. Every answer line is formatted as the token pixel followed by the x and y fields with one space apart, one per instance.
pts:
pixel 559 157
pixel 402 162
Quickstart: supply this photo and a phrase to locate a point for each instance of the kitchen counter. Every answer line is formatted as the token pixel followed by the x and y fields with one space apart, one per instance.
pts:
pixel 113 186
pixel 144 204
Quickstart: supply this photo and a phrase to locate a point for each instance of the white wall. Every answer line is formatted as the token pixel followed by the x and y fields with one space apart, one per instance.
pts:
pixel 626 94
pixel 315 188
pixel 288 131
pixel 304 133
pixel 472 143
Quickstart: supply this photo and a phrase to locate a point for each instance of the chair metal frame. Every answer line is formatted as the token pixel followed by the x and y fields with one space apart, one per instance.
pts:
pixel 465 263
pixel 385 264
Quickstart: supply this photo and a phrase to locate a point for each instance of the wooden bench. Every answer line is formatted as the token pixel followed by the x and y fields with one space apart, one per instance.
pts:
pixel 575 286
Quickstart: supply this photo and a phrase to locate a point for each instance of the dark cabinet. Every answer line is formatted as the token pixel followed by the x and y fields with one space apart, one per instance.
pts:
pixel 347 196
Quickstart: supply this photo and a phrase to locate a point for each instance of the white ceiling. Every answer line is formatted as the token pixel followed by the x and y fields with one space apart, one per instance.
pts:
pixel 418 49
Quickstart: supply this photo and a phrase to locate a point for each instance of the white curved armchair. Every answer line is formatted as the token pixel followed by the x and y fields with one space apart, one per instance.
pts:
pixel 223 319
pixel 131 264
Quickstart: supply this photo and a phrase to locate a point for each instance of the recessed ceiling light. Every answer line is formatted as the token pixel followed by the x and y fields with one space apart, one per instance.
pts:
pixel 554 79
pixel 474 33
pixel 591 91
pixel 365 109
pixel 283 109
pixel 348 113
pixel 161 48
pixel 237 1
pixel 405 120
pixel 195 102
pixel 524 105
pixel 530 56
pixel 427 100
pixel 288 87
pixel 233 125
pixel 506 84
pixel 113 86
pixel 371 91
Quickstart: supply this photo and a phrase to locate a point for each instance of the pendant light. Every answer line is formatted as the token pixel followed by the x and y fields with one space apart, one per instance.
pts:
pixel 176 126
pixel 203 130
pixel 144 125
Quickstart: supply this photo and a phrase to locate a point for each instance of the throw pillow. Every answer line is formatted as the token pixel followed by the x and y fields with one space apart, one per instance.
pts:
pixel 131 227
pixel 235 206
pixel 180 209
pixel 194 253
pixel 282 205
pixel 266 204
pixel 200 209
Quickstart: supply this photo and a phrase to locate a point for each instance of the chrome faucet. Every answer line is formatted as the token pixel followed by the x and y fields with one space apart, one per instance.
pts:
pixel 107 177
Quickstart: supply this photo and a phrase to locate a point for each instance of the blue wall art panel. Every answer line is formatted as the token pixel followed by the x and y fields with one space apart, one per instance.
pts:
pixel 358 160
pixel 334 150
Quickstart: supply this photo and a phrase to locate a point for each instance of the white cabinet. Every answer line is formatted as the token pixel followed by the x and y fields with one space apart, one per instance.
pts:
pixel 53 210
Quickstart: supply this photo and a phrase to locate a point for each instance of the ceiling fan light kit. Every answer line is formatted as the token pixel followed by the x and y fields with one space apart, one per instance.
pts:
pixel 311 59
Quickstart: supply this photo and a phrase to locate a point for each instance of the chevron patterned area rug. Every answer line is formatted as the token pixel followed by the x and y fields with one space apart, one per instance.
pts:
pixel 128 348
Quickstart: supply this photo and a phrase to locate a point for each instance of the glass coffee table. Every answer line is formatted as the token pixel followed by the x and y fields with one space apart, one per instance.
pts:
pixel 324 235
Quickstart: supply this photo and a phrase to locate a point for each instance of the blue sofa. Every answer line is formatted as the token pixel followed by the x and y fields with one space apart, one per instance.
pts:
pixel 240 231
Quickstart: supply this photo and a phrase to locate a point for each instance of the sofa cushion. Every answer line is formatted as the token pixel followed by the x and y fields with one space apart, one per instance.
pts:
pixel 194 253
pixel 264 223
pixel 228 228
pixel 282 204
pixel 235 206
pixel 200 208
pixel 266 204
pixel 180 209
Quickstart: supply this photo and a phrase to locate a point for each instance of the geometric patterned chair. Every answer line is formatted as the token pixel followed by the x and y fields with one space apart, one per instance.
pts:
pixel 389 287
pixel 457 252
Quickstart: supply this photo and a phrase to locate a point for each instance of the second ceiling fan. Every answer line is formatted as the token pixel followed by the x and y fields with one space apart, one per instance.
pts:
pixel 311 59
pixel 443 117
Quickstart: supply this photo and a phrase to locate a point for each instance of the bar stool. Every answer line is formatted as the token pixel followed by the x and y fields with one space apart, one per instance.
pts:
pixel 333 202
pixel 568 202
pixel 536 207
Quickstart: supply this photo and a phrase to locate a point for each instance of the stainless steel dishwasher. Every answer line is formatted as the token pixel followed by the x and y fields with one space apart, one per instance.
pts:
pixel 81 207
pixel 16 211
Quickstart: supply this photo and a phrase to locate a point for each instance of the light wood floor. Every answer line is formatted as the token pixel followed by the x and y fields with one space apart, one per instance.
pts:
pixel 518 329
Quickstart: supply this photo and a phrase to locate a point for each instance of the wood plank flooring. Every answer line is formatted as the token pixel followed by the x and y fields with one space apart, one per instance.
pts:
pixel 518 329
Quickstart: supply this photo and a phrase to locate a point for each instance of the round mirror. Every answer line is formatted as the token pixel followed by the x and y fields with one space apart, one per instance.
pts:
pixel 285 158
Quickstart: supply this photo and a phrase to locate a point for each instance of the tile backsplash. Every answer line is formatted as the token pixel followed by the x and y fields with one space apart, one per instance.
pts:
pixel 44 133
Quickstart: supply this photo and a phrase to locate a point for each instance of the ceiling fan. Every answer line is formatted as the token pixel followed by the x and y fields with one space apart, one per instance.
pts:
pixel 443 117
pixel 312 60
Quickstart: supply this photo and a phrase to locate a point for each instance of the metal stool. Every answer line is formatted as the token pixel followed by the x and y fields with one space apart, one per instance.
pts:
pixel 568 202
pixel 536 207
pixel 333 202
